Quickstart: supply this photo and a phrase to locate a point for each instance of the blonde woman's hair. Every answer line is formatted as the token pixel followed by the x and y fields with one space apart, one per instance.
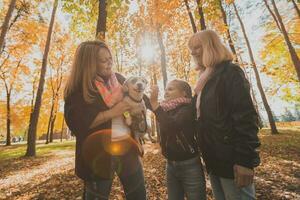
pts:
pixel 84 69
pixel 214 51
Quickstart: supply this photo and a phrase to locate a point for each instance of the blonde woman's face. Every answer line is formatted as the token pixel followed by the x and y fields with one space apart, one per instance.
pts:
pixel 197 54
pixel 104 64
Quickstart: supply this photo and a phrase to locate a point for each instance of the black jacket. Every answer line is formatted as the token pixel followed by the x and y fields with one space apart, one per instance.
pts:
pixel 92 162
pixel 228 123
pixel 177 131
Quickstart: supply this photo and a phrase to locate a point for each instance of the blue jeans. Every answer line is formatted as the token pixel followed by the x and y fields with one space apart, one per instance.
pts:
pixel 225 189
pixel 186 178
pixel 131 176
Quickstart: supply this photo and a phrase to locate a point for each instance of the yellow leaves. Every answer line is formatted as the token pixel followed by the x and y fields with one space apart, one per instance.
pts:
pixel 275 53
pixel 25 70
pixel 295 31
pixel 229 1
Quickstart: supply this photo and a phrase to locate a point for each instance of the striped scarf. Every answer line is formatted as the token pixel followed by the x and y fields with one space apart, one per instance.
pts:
pixel 110 91
pixel 168 105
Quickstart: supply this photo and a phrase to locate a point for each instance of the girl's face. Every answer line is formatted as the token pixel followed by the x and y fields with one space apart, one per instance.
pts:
pixel 197 54
pixel 173 91
pixel 104 64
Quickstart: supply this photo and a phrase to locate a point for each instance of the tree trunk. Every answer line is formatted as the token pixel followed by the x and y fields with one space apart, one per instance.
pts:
pixel 101 23
pixel 152 125
pixel 36 111
pixel 296 7
pixel 201 14
pixel 117 61
pixel 190 16
pixel 140 66
pixel 253 95
pixel 8 133
pixel 228 35
pixel 54 117
pixel 49 122
pixel 162 57
pixel 5 24
pixel 52 127
pixel 273 15
pixel 31 107
pixel 292 51
pixel 62 129
pixel 258 81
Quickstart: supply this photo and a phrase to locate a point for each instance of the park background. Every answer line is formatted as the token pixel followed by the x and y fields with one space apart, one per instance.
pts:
pixel 148 38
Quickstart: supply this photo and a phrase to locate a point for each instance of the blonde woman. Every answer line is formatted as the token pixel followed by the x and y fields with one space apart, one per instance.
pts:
pixel 227 120
pixel 93 112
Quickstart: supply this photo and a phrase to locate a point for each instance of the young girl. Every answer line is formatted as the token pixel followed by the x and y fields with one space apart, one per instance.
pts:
pixel 176 117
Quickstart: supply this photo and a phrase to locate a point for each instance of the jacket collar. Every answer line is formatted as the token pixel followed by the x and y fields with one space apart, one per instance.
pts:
pixel 219 68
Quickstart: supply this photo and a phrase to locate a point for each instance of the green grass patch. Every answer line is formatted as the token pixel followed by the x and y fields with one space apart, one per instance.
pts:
pixel 19 150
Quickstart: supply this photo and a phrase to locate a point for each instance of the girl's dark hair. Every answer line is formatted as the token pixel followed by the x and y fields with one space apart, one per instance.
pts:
pixel 184 86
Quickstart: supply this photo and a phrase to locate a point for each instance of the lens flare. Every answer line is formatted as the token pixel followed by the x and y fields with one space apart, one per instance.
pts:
pixel 98 148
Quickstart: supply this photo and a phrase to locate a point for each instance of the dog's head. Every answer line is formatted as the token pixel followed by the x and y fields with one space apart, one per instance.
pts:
pixel 135 86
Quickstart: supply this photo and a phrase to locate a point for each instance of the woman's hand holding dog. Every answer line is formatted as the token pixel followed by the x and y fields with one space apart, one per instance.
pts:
pixel 115 111
pixel 120 108
pixel 154 97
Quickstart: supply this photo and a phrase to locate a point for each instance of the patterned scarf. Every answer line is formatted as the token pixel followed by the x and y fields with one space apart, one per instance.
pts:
pixel 168 105
pixel 111 91
pixel 204 76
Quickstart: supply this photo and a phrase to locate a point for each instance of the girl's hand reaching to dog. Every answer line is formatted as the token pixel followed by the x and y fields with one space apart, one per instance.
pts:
pixel 154 97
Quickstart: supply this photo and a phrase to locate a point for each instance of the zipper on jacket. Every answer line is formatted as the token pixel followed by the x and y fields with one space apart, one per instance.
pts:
pixel 178 141
pixel 188 144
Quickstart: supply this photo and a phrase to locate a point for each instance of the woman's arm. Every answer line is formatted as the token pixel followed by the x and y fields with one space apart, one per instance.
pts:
pixel 81 117
pixel 117 110
pixel 107 115
pixel 78 115
pixel 245 121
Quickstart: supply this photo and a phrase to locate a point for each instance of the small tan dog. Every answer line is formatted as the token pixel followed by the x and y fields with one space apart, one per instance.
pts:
pixel 135 118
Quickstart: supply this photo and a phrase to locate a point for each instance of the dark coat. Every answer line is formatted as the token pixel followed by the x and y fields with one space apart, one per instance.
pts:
pixel 92 162
pixel 228 123
pixel 178 130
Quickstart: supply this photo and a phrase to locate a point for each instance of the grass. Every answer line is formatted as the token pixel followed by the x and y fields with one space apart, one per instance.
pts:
pixel 19 150
pixel 287 139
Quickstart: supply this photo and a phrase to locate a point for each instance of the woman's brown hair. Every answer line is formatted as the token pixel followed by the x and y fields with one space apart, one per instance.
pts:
pixel 84 69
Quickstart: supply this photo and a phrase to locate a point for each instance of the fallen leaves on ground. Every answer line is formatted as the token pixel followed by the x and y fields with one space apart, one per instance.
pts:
pixel 52 176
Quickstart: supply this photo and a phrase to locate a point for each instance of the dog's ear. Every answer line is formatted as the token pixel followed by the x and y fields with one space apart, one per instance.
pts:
pixel 125 86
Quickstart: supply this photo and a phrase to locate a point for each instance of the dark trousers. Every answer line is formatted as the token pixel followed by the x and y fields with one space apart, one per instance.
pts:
pixel 130 173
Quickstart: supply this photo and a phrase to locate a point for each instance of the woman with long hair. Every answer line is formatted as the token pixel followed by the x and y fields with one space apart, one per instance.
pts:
pixel 94 113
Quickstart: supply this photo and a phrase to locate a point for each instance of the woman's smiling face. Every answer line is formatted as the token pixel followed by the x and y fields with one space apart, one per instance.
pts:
pixel 104 64
pixel 197 54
